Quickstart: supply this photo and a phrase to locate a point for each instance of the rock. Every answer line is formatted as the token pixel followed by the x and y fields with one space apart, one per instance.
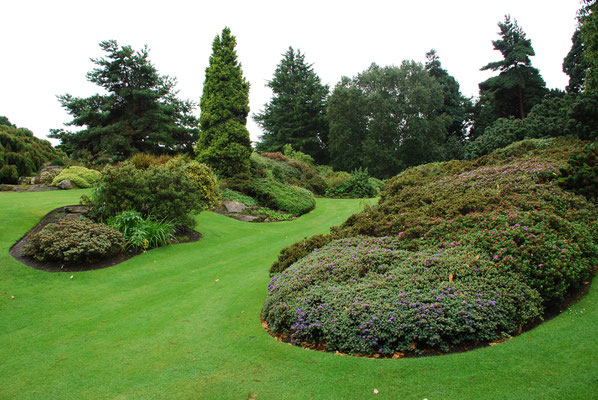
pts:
pixel 248 218
pixel 66 185
pixel 41 188
pixel 234 206
pixel 76 209
pixel 25 180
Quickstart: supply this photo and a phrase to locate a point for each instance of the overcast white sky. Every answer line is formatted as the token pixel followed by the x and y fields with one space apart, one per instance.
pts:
pixel 46 45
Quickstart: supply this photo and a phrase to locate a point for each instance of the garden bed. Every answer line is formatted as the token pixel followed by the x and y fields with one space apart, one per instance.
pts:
pixel 76 211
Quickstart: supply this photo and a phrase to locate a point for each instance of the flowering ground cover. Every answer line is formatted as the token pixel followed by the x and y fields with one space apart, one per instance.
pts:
pixel 182 322
pixel 505 215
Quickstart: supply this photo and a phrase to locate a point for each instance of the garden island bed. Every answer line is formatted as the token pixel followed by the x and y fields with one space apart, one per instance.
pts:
pixel 185 235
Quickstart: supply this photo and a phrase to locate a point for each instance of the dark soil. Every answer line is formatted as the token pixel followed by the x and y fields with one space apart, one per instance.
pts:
pixel 77 211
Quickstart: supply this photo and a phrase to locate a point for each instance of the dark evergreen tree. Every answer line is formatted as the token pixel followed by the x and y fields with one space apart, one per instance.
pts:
pixel 388 119
pixel 575 64
pixel 139 113
pixel 456 106
pixel 297 112
pixel 224 141
pixel 588 19
pixel 518 86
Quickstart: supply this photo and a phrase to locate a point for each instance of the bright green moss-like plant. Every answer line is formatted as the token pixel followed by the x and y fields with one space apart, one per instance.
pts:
pixel 80 176
pixel 277 195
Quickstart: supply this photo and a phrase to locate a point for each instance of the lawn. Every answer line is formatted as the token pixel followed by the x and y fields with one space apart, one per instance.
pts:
pixel 183 322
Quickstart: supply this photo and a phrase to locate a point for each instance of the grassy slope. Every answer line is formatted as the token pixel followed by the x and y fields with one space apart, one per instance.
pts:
pixel 183 322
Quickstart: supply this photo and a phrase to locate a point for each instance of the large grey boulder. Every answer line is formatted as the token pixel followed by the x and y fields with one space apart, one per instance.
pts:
pixel 234 207
pixel 66 185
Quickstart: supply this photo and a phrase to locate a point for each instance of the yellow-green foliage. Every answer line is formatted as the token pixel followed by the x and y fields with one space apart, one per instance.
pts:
pixel 205 180
pixel 80 176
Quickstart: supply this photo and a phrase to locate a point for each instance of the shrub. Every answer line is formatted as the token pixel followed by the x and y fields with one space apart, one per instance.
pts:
pixel 273 215
pixel 581 173
pixel 80 176
pixel 204 179
pixel 357 186
pixel 48 176
pixel 298 155
pixel 139 233
pixel 362 295
pixel 9 174
pixel 73 241
pixel 232 195
pixel 277 195
pixel 144 160
pixel 159 192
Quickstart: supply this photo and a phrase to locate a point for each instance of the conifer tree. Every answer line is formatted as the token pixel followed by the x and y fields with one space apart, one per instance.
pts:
pixel 296 115
pixel 518 86
pixel 224 141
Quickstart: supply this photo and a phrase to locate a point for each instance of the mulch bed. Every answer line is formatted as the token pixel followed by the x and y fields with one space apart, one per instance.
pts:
pixel 76 211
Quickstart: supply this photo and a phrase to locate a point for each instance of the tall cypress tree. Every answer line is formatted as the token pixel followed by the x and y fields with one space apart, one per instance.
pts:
pixel 297 112
pixel 224 141
pixel 518 86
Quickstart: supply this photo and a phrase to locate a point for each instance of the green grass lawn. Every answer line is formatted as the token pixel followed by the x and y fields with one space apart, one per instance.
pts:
pixel 183 322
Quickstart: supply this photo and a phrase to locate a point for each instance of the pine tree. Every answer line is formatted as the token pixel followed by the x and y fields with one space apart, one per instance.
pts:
pixel 139 113
pixel 518 86
pixel 296 114
pixel 575 64
pixel 224 141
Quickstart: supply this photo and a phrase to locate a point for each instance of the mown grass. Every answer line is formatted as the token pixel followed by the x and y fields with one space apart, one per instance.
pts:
pixel 183 322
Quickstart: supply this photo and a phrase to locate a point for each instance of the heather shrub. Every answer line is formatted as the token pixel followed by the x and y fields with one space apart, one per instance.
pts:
pixel 581 173
pixel 80 176
pixel 140 233
pixel 74 241
pixel 363 295
pixel 277 195
pixel 158 192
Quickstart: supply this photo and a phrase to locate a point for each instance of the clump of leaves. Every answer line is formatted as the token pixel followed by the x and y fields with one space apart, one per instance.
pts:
pixel 140 233
pixel 74 240
pixel 80 176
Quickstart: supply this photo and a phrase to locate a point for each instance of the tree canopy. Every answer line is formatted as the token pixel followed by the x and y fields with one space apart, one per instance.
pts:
pixel 518 86
pixel 139 113
pixel 296 115
pixel 575 64
pixel 224 141
pixel 387 119
pixel 588 20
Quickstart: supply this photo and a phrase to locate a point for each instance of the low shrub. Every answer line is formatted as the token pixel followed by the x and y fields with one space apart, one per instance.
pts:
pixel 232 195
pixel 48 176
pixel 204 179
pixel 273 215
pixel 581 173
pixel 80 176
pixel 140 233
pixel 277 195
pixel 144 160
pixel 358 185
pixel 362 295
pixel 159 192
pixel 298 155
pixel 74 241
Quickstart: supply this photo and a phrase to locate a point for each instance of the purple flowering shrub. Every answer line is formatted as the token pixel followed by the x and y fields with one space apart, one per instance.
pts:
pixel 504 214
pixel 365 295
